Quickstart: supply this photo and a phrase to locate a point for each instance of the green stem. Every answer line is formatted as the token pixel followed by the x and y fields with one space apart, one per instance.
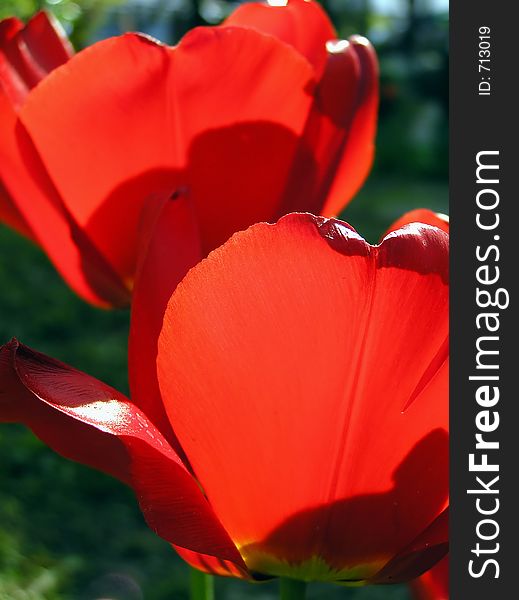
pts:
pixel 291 589
pixel 201 585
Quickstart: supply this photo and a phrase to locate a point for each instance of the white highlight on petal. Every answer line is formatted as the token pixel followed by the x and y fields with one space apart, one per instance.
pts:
pixel 105 411
pixel 337 46
pixel 360 40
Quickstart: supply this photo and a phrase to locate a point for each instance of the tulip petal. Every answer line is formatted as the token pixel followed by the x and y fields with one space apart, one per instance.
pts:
pixel 421 215
pixel 305 374
pixel 324 139
pixel 171 118
pixel 359 145
pixel 339 133
pixel 11 81
pixel 172 247
pixel 31 203
pixel 29 53
pixel 9 28
pixel 87 421
pixel 434 584
pixel 426 550
pixel 47 43
pixel 301 23
pixel 213 565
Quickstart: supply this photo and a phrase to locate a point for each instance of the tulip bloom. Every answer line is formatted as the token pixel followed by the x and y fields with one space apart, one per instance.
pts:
pixel 240 123
pixel 304 374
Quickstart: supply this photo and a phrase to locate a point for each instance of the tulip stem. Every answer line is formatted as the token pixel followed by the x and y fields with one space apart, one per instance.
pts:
pixel 291 589
pixel 201 585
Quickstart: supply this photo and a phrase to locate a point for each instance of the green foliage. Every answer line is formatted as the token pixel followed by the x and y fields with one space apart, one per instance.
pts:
pixel 79 17
pixel 384 199
pixel 22 9
pixel 68 10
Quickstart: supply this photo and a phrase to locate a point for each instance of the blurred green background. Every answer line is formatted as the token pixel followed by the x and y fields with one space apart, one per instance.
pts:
pixel 69 533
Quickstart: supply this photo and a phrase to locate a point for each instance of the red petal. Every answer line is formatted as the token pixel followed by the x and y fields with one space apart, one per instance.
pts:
pixel 151 122
pixel 11 82
pixel 171 249
pixel 32 205
pixel 336 149
pixel 433 585
pixel 303 372
pixel 324 138
pixel 9 213
pixel 425 551
pixel 355 162
pixel 301 23
pixel 47 42
pixel 8 29
pixel 28 200
pixel 28 54
pixel 421 215
pixel 212 564
pixel 87 421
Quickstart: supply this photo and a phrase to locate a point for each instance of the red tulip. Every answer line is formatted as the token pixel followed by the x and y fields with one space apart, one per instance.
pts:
pixel 242 123
pixel 304 373
pixel 434 584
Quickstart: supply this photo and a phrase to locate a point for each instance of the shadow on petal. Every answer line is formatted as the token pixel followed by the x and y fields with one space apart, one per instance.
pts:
pixel 354 539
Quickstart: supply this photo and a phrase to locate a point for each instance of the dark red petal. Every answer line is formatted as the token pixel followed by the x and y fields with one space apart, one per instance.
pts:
pixel 29 53
pixel 11 83
pixel 47 42
pixel 304 372
pixel 301 23
pixel 32 203
pixel 213 565
pixel 324 139
pixel 8 29
pixel 170 248
pixel 9 214
pixel 421 215
pixel 336 148
pixel 359 145
pixel 205 115
pixel 426 550
pixel 90 422
pixel 434 584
